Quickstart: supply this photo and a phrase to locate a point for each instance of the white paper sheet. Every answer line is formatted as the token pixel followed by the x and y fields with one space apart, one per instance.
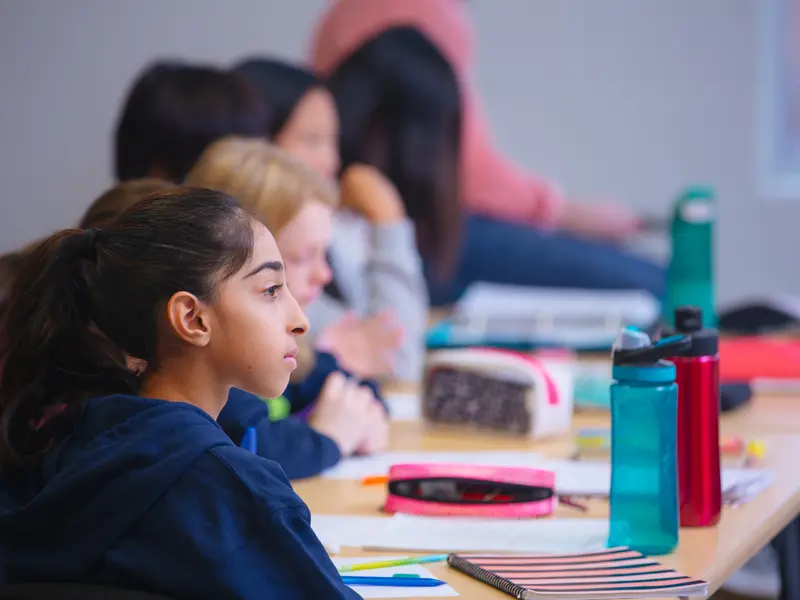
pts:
pixel 335 532
pixel 404 407
pixel 456 534
pixel 442 591
pixel 358 467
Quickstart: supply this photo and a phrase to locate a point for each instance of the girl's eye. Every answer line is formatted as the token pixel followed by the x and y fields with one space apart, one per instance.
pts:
pixel 272 291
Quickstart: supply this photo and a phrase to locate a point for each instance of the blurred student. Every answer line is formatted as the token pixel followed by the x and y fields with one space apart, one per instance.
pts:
pixel 173 111
pixel 376 268
pixel 302 448
pixel 114 477
pixel 400 71
pixel 297 206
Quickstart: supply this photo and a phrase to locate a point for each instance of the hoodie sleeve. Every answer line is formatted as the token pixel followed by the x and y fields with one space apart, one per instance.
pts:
pixel 275 530
pixel 291 442
pixel 240 531
pixel 306 569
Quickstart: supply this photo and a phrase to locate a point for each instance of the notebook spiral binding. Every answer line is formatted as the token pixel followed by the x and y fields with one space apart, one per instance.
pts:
pixel 478 573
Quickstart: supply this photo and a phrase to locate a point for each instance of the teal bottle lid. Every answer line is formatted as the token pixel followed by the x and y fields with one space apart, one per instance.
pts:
pixel 635 358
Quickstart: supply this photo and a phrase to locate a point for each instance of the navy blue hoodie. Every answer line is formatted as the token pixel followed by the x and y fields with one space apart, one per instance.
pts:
pixel 152 495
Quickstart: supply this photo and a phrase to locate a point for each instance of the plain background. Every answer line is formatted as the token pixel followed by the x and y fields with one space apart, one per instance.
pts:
pixel 614 99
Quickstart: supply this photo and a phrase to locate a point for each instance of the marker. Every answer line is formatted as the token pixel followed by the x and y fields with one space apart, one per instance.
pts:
pixel 399 562
pixel 250 440
pixel 402 581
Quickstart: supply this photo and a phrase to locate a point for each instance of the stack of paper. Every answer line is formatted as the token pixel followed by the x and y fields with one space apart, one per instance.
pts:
pixel 457 534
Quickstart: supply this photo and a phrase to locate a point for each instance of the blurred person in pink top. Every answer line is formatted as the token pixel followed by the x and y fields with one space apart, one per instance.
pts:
pixel 399 71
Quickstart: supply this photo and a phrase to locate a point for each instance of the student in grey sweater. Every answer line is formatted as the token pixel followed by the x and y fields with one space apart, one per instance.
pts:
pixel 377 304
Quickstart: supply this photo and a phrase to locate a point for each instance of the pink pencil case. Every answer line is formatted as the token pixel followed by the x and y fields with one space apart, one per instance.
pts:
pixel 471 491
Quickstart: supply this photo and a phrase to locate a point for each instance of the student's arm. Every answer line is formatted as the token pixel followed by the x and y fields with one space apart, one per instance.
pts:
pixel 300 450
pixel 394 280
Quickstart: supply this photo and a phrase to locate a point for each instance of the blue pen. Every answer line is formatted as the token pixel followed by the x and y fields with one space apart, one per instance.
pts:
pixel 250 440
pixel 392 581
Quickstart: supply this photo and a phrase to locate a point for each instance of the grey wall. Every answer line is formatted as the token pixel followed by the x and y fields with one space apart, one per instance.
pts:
pixel 619 99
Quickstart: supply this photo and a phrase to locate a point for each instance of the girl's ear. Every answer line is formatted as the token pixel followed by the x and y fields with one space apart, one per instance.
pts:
pixel 189 319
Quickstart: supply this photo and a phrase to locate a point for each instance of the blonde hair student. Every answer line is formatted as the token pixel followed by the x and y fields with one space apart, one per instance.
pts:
pixel 297 206
pixel 273 185
pixel 117 477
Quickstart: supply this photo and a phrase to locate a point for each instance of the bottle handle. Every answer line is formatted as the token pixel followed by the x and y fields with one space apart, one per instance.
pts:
pixel 674 345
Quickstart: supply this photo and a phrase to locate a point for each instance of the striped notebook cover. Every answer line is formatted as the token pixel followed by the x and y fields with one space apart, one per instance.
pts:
pixel 616 572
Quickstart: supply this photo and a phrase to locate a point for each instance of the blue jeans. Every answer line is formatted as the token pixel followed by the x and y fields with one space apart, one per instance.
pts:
pixel 511 253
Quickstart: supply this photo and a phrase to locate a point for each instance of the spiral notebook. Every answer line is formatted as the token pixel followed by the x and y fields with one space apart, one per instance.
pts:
pixel 612 573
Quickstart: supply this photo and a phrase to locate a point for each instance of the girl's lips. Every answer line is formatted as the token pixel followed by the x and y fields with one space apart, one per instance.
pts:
pixel 291 358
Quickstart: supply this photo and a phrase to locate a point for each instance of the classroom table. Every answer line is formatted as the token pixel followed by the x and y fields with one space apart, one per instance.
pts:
pixel 712 554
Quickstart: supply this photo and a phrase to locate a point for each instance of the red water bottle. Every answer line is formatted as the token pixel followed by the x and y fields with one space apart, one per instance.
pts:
pixel 697 376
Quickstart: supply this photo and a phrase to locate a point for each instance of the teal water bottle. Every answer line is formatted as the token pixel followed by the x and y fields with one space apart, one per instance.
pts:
pixel 644 443
pixel 690 275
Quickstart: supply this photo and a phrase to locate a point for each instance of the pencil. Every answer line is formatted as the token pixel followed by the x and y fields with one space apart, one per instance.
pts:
pixel 413 560
pixel 375 480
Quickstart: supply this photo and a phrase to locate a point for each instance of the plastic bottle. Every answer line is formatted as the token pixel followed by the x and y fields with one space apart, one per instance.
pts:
pixel 644 473
pixel 690 274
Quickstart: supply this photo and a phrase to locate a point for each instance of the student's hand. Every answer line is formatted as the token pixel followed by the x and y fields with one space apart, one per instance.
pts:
pixel 378 432
pixel 607 222
pixel 344 412
pixel 365 347
pixel 365 191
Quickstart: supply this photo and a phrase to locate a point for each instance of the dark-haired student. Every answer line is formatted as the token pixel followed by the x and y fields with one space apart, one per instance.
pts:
pixel 174 110
pixel 115 477
pixel 303 448
pixel 401 72
pixel 373 252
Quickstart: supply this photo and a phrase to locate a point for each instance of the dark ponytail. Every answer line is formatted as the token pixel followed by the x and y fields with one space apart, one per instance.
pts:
pixel 83 301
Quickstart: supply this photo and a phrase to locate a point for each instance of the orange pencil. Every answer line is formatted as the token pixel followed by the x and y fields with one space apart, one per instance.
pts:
pixel 375 480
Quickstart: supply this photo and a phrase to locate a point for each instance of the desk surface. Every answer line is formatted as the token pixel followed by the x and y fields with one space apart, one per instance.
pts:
pixel 711 554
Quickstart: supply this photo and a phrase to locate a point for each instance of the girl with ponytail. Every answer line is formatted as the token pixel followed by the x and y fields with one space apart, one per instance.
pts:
pixel 112 476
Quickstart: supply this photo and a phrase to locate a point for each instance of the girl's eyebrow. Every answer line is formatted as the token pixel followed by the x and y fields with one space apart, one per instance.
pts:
pixel 270 265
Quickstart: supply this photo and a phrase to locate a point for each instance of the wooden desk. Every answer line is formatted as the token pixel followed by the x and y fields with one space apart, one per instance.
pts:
pixel 711 554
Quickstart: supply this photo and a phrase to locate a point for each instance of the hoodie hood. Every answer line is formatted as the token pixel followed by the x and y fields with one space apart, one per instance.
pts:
pixel 124 454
